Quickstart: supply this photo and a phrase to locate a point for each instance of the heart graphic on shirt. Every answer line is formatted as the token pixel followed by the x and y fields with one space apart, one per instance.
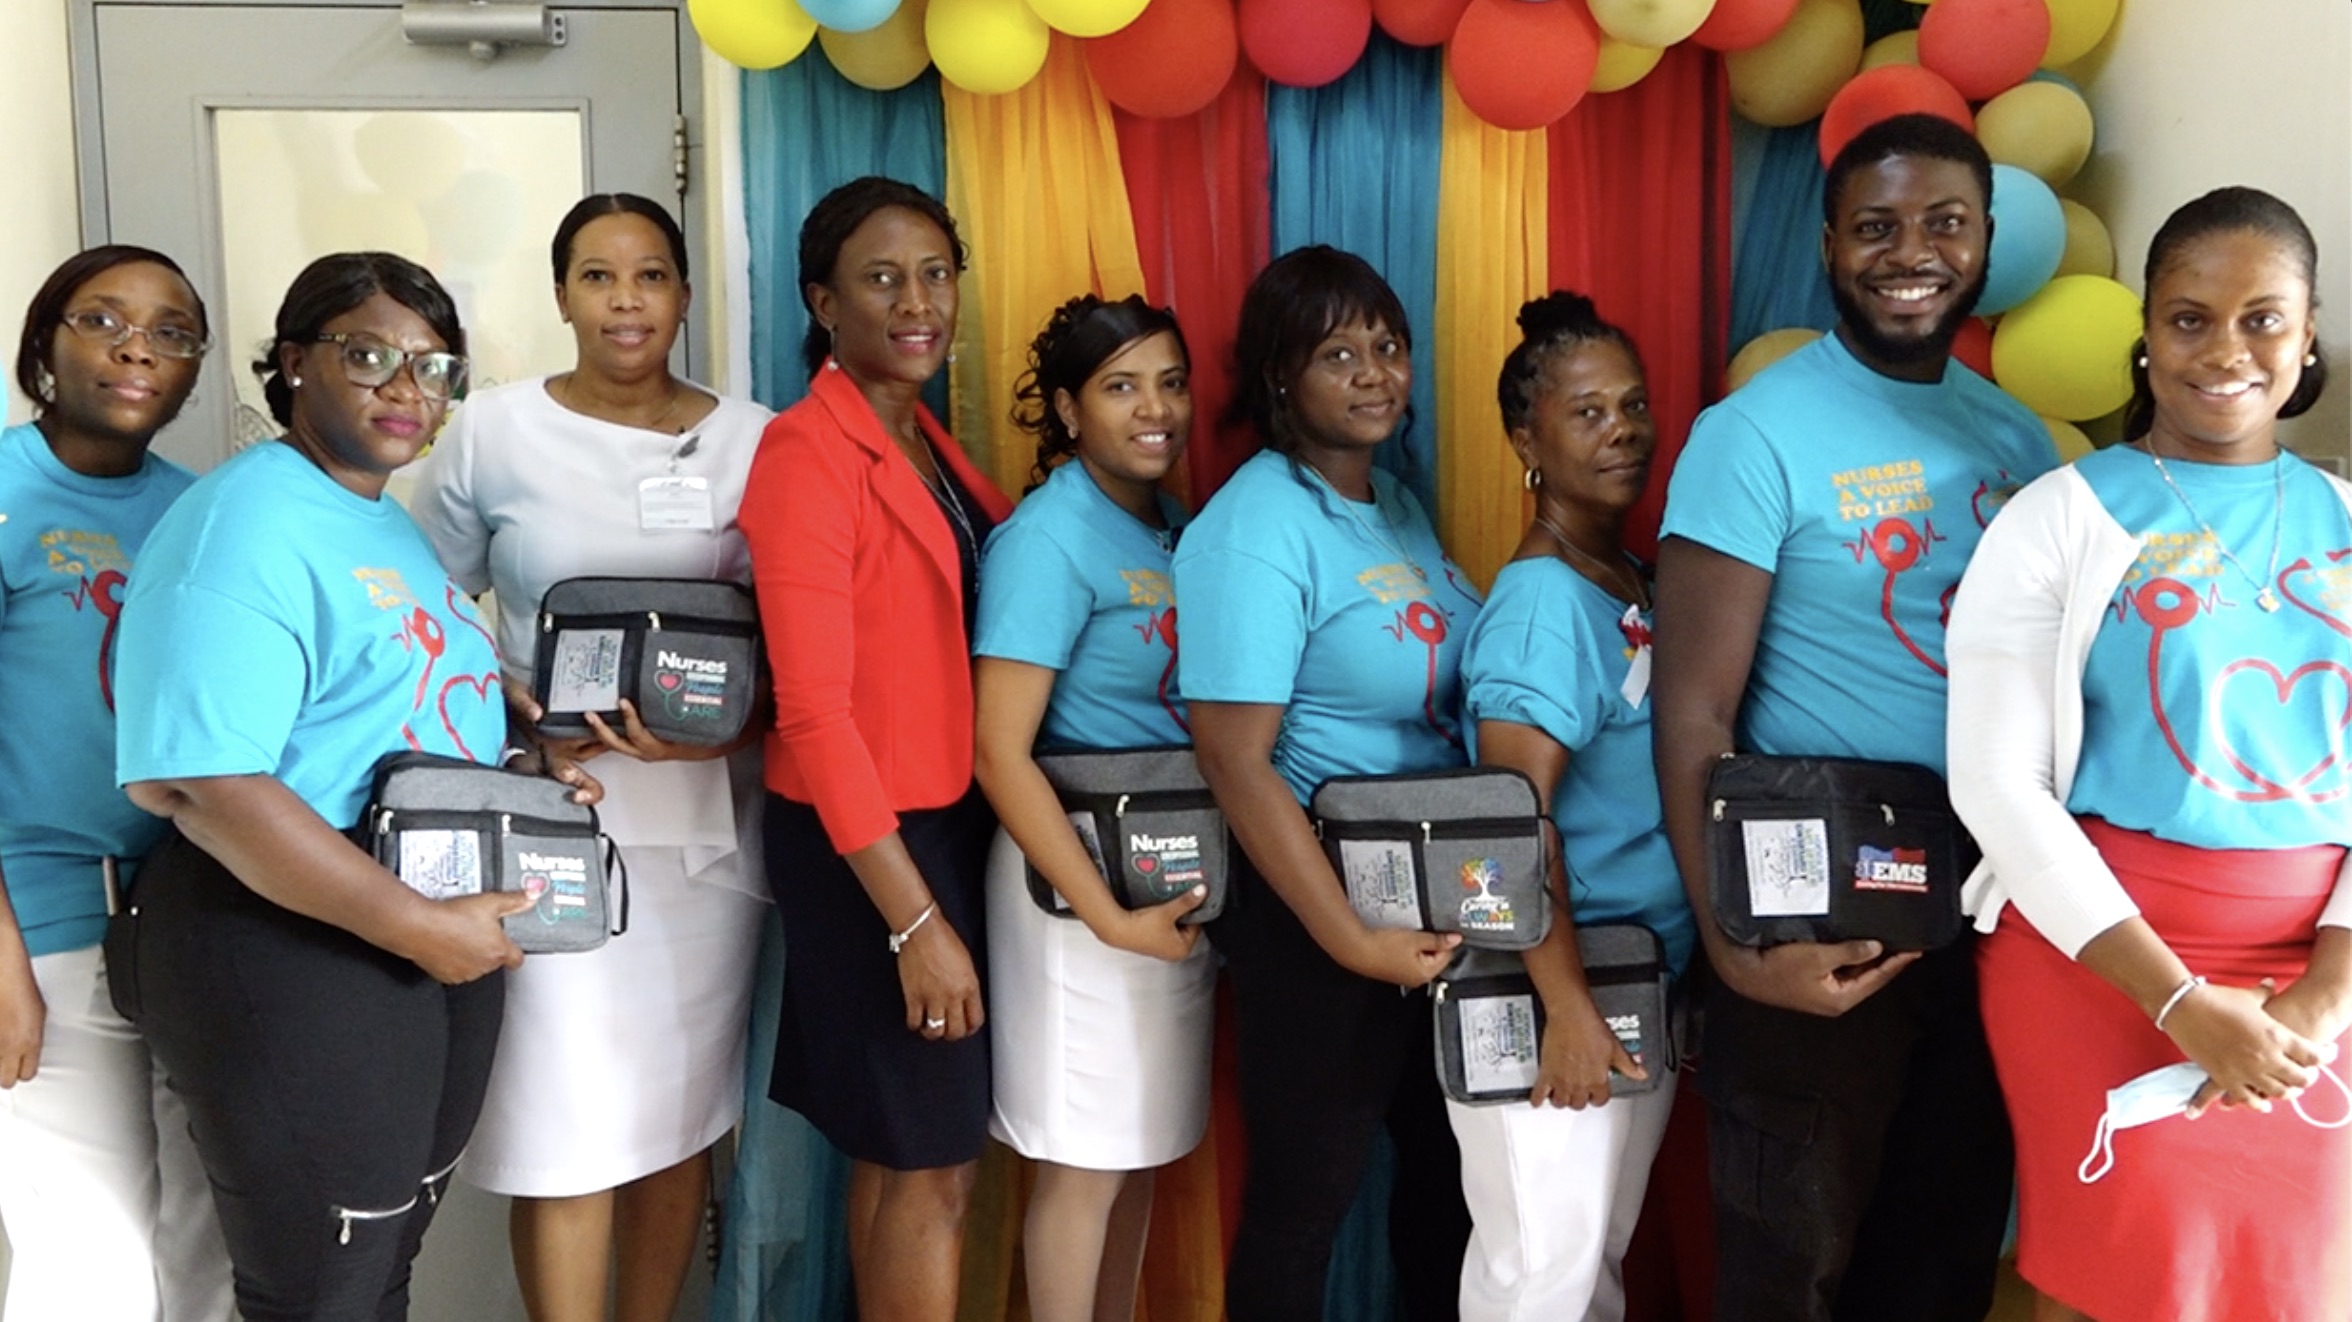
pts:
pixel 669 680
pixel 483 690
pixel 2305 709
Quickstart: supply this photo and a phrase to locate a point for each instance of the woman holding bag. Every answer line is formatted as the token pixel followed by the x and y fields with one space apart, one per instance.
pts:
pixel 619 1067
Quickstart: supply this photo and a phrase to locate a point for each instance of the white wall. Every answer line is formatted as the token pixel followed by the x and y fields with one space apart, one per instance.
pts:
pixel 38 225
pixel 2190 95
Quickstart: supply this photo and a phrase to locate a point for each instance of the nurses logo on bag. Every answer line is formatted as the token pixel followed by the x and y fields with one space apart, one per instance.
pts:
pixel 1482 909
pixel 558 882
pixel 692 687
pixel 1168 864
pixel 1878 869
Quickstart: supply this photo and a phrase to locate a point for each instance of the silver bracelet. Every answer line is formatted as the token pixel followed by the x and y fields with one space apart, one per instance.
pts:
pixel 2179 994
pixel 899 939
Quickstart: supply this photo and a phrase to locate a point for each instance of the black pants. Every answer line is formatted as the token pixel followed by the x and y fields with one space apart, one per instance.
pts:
pixel 1862 1165
pixel 1326 1059
pixel 330 1085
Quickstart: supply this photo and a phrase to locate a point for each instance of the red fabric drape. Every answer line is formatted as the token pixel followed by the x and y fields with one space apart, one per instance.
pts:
pixel 1197 187
pixel 1641 222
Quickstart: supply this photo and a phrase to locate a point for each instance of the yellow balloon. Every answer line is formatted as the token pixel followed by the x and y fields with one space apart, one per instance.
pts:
pixel 883 58
pixel 1762 352
pixel 1893 48
pixel 1790 78
pixel 2089 249
pixel 1658 23
pixel 986 46
pixel 2066 352
pixel 1088 18
pixel 2075 27
pixel 2043 129
pixel 2072 442
pixel 757 34
pixel 1623 64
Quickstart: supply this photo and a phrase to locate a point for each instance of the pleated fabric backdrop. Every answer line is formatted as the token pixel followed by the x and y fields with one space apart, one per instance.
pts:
pixel 1628 199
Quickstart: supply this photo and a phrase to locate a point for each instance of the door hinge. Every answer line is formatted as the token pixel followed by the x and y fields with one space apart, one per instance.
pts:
pixel 678 152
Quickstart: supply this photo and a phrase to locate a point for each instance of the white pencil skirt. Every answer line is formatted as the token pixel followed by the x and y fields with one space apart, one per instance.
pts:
pixel 1101 1056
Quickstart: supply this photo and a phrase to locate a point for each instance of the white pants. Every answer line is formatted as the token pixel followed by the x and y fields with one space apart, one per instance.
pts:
pixel 1553 1197
pixel 108 1214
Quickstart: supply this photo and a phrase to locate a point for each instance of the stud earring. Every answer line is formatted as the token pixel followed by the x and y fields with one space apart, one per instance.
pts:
pixel 1531 479
pixel 2311 360
pixel 293 383
pixel 45 385
pixel 2141 361
pixel 951 356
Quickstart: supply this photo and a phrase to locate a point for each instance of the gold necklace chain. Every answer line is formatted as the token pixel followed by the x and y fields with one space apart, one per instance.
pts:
pixel 2263 596
pixel 568 400
pixel 1622 574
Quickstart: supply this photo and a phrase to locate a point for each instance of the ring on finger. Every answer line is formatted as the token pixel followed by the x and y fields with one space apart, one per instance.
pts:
pixel 933 1025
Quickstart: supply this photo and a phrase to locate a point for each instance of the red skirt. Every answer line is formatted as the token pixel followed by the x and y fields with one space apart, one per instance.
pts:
pixel 2234 1217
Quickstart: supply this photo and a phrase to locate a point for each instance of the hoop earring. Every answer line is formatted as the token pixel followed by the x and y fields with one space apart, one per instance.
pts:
pixel 1531 479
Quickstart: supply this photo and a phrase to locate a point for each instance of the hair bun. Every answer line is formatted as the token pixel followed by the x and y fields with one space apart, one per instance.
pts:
pixel 1559 312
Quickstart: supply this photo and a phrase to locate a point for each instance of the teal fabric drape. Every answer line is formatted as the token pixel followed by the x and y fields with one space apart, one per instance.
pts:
pixel 1355 165
pixel 787 167
pixel 806 130
pixel 1776 279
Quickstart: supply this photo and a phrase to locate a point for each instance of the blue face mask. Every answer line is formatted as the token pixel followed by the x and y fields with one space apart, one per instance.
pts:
pixel 2161 1095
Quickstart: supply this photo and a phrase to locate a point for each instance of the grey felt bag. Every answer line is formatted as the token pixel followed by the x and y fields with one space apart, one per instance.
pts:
pixel 1488 1021
pixel 1444 851
pixel 448 827
pixel 1147 817
pixel 685 651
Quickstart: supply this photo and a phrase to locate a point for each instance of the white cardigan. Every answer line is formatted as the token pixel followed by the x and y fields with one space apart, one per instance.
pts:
pixel 2029 606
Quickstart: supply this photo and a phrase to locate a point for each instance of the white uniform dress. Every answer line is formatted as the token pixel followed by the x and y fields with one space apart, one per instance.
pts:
pixel 622 1061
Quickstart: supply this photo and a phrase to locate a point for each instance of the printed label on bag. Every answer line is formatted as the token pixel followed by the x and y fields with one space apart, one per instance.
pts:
pixel 693 688
pixel 1788 867
pixel 1628 1030
pixel 1501 1051
pixel 557 882
pixel 585 671
pixel 1379 877
pixel 1878 869
pixel 1166 864
pixel 1482 909
pixel 441 865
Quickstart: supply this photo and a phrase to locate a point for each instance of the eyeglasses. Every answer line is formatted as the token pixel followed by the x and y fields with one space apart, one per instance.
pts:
pixel 371 363
pixel 109 328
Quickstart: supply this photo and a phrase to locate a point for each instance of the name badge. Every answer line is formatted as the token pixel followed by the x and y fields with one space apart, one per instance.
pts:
pixel 675 504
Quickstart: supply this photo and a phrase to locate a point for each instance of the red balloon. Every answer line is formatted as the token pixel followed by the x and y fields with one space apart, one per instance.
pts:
pixel 1419 22
pixel 1984 47
pixel 1739 24
pixel 1883 93
pixel 1521 65
pixel 1171 61
pixel 1974 345
pixel 1305 43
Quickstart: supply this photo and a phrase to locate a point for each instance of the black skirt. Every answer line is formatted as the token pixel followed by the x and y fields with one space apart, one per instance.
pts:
pixel 844 1056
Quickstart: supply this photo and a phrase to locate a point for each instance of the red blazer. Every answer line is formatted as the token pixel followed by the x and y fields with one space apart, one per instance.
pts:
pixel 862 601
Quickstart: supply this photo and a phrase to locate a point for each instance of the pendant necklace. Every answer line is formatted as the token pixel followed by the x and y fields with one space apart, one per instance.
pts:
pixel 2263 596
pixel 946 499
pixel 1622 574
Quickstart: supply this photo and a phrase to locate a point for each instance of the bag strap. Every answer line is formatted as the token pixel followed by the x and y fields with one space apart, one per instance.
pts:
pixel 615 865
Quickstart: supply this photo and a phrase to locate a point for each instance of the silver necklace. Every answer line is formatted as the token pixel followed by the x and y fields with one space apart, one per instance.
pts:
pixel 2263 596
pixel 1622 574
pixel 954 507
pixel 1384 532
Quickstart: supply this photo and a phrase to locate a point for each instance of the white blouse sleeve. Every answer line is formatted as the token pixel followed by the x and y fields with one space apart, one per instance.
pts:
pixel 445 505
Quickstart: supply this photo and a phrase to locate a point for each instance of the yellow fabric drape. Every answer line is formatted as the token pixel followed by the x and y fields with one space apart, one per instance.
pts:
pixel 1492 255
pixel 1033 179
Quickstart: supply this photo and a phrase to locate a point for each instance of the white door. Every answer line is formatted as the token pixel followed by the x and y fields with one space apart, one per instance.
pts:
pixel 247 139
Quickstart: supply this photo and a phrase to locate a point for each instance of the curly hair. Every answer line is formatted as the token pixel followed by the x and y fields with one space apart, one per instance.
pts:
pixel 1078 339
pixel 1557 321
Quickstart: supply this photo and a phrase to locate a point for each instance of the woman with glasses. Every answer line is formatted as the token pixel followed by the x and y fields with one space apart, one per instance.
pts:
pixel 106 1208
pixel 599 1125
pixel 330 1029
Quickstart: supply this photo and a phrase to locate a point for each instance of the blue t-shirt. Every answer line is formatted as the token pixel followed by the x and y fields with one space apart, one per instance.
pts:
pixel 1864 497
pixel 2239 739
pixel 1553 651
pixel 1347 614
pixel 283 625
pixel 67 543
pixel 1075 584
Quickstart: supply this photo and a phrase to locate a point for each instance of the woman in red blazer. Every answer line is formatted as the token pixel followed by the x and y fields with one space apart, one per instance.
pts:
pixel 865 522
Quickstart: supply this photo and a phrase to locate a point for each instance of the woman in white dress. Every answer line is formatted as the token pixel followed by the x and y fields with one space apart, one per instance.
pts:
pixel 618 1068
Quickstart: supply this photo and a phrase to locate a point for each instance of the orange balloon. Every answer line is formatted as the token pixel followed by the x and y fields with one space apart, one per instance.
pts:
pixel 1305 43
pixel 1171 61
pixel 1883 93
pixel 1520 65
pixel 1419 22
pixel 1984 47
pixel 1739 24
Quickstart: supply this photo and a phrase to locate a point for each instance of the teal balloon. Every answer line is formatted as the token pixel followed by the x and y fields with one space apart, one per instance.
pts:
pixel 2046 76
pixel 2029 238
pixel 850 15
